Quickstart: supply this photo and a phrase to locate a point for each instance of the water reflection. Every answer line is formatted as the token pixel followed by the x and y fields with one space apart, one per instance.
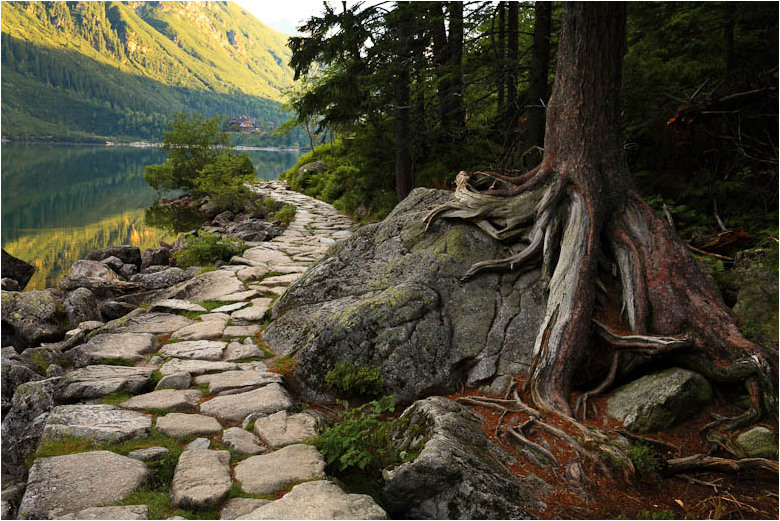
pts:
pixel 60 202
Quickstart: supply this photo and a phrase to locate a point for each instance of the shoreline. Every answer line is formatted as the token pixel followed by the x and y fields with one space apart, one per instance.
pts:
pixel 141 144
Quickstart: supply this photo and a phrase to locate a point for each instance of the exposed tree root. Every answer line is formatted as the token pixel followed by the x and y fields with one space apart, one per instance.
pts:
pixel 670 308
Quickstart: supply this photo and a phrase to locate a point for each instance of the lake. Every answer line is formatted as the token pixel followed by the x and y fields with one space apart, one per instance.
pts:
pixel 59 202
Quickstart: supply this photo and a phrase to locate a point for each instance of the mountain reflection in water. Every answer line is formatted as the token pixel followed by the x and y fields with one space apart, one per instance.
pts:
pixel 59 202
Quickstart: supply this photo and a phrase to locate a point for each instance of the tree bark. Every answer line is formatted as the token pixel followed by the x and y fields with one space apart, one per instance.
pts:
pixel 536 96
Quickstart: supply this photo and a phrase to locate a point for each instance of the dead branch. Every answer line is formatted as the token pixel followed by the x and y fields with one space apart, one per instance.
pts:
pixel 704 463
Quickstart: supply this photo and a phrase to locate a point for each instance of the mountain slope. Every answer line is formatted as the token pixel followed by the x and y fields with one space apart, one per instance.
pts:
pixel 97 70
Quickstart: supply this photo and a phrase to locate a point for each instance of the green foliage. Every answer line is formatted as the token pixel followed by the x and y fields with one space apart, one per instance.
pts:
pixel 644 459
pixel 358 380
pixel 223 180
pixel 658 514
pixel 192 142
pixel 359 438
pixel 285 215
pixel 208 248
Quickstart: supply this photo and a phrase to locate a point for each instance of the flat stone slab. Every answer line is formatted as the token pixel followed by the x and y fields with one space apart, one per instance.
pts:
pixel 236 407
pixel 96 381
pixel 63 485
pixel 268 290
pixel 229 308
pixel 240 506
pixel 282 428
pixel 269 473
pixel 319 500
pixel 173 305
pixel 204 330
pixel 154 323
pixel 281 280
pixel 253 273
pixel 194 350
pixel 201 479
pixel 256 312
pixel 126 512
pixel 194 367
pixel 242 441
pixel 174 381
pixel 148 454
pixel 179 425
pixel 224 317
pixel 237 379
pixel 127 347
pixel 248 330
pixel 105 423
pixel 164 399
pixel 242 350
pixel 241 295
pixel 212 285
pixel 265 254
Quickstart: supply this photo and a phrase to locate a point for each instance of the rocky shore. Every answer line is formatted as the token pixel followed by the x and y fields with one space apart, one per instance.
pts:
pixel 146 361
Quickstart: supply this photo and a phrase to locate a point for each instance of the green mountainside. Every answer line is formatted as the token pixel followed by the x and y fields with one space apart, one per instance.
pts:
pixel 118 70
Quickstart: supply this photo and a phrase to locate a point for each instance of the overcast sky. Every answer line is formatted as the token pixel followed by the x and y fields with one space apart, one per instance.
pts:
pixel 283 15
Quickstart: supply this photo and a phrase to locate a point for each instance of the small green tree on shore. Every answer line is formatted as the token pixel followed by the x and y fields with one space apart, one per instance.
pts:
pixel 200 158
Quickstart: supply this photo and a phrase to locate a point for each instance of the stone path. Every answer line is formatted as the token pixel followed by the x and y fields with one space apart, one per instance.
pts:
pixel 218 404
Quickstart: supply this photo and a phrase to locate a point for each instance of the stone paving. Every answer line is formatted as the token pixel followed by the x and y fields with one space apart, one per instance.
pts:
pixel 215 379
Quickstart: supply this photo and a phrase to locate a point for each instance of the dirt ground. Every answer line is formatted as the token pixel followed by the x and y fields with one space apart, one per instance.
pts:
pixel 646 495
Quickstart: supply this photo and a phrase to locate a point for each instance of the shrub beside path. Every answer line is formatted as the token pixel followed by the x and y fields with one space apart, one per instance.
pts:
pixel 186 417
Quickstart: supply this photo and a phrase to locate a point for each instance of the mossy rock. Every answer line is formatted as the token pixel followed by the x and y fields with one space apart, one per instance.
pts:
pixel 391 296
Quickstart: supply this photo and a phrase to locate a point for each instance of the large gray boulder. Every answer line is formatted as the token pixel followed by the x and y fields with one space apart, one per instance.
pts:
pixel 660 400
pixel 81 306
pixel 101 280
pixel 24 423
pixel 161 279
pixel 458 472
pixel 14 373
pixel 391 296
pixel 125 253
pixel 32 317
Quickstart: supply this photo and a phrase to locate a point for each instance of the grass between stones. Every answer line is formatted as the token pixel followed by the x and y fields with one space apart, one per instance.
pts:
pixel 115 398
pixel 115 361
pixel 211 305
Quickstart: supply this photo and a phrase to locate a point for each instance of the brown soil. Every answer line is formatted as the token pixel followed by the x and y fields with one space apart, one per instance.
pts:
pixel 647 495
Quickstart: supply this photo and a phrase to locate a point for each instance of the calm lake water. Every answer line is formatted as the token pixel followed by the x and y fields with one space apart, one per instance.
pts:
pixel 59 202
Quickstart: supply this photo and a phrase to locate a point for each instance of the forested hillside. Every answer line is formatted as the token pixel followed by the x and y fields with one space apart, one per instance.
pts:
pixel 448 86
pixel 119 70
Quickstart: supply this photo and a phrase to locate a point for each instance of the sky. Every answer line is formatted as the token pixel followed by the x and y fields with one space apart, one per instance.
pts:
pixel 283 15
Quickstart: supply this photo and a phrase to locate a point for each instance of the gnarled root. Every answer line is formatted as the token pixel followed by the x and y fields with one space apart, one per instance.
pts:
pixel 671 308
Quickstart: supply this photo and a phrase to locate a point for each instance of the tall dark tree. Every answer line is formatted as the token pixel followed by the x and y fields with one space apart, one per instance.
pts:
pixel 579 215
pixel 536 95
pixel 404 27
